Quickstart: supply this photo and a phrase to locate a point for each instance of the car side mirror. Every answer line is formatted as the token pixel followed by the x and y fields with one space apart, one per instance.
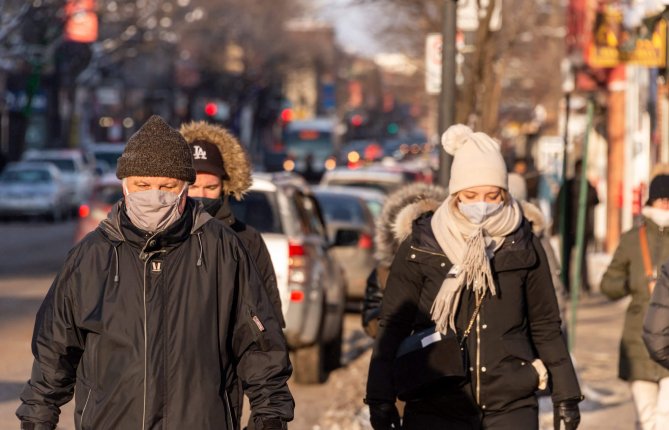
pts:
pixel 346 237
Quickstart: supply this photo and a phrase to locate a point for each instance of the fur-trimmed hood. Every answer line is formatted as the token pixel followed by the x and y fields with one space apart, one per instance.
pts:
pixel 235 159
pixel 399 211
pixel 535 217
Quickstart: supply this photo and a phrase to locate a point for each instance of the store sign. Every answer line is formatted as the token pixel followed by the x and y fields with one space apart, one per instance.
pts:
pixel 433 48
pixel 471 12
pixel 612 44
pixel 81 23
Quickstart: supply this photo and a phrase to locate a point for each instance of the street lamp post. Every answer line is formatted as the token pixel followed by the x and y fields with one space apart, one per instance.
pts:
pixel 448 89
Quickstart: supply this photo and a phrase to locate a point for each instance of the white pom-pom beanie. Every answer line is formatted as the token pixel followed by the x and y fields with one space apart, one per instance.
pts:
pixel 477 160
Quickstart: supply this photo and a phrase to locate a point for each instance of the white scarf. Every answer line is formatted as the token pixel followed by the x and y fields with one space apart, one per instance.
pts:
pixel 469 247
pixel 657 215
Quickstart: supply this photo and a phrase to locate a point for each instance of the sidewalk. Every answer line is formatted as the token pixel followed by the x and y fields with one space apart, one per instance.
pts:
pixel 608 405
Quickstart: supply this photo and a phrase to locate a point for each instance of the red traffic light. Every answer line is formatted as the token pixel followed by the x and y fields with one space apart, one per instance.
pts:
pixel 210 109
pixel 287 115
pixel 356 120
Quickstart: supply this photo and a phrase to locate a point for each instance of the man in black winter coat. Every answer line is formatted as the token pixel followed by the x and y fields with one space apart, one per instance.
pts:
pixel 222 170
pixel 156 312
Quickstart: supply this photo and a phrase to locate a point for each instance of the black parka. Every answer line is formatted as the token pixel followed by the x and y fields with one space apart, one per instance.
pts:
pixel 514 327
pixel 255 244
pixel 148 332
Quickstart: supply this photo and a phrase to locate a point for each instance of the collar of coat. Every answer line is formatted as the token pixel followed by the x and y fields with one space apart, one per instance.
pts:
pixel 118 228
pixel 517 251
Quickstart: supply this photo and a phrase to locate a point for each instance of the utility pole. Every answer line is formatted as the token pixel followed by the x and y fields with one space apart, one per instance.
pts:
pixel 448 89
pixel 581 240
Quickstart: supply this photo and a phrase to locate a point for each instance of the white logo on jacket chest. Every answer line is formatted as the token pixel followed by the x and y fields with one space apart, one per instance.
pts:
pixel 199 153
pixel 156 266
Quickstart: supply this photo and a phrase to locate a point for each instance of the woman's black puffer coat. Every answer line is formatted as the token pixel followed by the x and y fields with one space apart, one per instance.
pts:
pixel 520 323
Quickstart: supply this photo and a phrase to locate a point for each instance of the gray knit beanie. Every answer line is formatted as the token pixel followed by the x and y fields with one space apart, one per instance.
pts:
pixel 156 149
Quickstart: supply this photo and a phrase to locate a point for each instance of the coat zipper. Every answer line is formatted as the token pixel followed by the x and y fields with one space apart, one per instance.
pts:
pixel 478 359
pixel 428 252
pixel 145 346
pixel 146 341
pixel 81 420
pixel 229 409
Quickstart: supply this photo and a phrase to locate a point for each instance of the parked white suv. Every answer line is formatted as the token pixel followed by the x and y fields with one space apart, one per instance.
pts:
pixel 76 174
pixel 311 283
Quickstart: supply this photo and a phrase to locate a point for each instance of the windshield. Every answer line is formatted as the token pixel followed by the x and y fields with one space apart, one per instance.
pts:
pixel 302 143
pixel 26 176
pixel 107 159
pixel 258 210
pixel 109 194
pixel 341 208
pixel 63 164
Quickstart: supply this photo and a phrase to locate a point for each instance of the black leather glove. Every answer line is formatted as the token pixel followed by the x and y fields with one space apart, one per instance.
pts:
pixel 568 412
pixel 384 416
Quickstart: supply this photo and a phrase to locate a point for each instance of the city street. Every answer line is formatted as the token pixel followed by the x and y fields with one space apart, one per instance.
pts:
pixel 33 251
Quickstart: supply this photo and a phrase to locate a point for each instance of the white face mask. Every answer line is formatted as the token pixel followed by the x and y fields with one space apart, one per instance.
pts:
pixel 153 210
pixel 478 212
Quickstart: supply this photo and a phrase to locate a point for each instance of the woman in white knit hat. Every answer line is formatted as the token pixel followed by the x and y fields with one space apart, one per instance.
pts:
pixel 472 267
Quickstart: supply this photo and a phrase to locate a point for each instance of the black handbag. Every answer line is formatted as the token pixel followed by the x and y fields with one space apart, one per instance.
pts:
pixel 428 360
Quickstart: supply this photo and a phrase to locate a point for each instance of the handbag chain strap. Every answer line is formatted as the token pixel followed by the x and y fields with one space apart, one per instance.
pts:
pixel 479 301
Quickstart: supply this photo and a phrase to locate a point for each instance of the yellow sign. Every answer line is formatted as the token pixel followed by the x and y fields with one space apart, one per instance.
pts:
pixel 613 44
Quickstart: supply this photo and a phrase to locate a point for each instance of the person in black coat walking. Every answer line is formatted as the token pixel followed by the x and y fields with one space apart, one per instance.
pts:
pixel 476 251
pixel 569 196
pixel 155 312
pixel 223 170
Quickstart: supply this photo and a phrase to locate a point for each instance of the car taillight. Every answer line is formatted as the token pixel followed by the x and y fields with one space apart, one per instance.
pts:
pixel 297 270
pixel 297 296
pixel 84 211
pixel 365 241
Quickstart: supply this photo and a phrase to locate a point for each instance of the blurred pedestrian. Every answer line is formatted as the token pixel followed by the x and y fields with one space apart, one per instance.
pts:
pixel 473 267
pixel 633 272
pixel 569 197
pixel 531 177
pixel 154 310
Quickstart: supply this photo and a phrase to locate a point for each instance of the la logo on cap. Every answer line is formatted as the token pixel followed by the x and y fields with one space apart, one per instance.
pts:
pixel 199 153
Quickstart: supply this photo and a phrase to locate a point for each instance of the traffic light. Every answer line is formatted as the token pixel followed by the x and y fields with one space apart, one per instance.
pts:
pixel 210 109
pixel 214 110
pixel 392 128
pixel 286 115
pixel 356 120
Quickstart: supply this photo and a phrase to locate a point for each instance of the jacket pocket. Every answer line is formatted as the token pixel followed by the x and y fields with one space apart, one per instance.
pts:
pixel 524 379
pixel 258 330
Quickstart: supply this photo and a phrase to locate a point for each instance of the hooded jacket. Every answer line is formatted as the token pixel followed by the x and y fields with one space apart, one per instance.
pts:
pixel 149 332
pixel 514 327
pixel 393 226
pixel 236 182
pixel 626 276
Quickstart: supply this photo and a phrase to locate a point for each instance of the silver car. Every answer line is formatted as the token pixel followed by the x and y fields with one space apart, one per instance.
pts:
pixel 33 188
pixel 76 174
pixel 350 213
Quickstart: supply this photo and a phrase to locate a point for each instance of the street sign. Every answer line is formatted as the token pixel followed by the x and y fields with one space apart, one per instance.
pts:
pixel 433 48
pixel 470 12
